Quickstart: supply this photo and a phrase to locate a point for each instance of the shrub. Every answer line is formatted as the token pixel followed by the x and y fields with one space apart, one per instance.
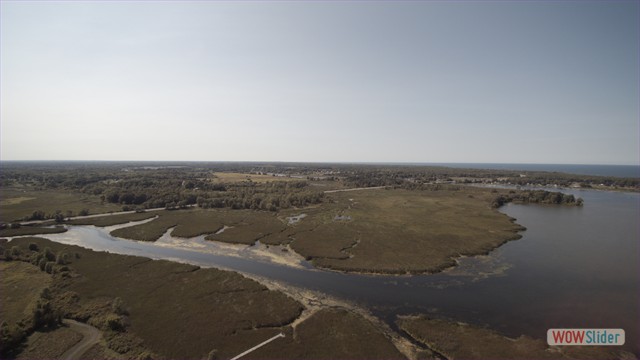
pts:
pixel 10 337
pixel 15 251
pixel 114 322
pixel 45 294
pixel 44 315
pixel 33 246
pixel 49 255
pixel 117 306
pixel 62 258
pixel 36 257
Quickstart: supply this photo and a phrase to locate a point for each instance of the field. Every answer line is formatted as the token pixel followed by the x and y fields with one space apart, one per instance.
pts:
pixel 20 286
pixel 380 231
pixel 384 220
pixel 31 230
pixel 109 220
pixel 233 177
pixel 401 231
pixel 247 225
pixel 462 341
pixel 182 311
pixel 49 345
pixel 18 202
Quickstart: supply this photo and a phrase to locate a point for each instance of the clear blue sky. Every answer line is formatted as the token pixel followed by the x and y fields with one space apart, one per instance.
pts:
pixel 500 81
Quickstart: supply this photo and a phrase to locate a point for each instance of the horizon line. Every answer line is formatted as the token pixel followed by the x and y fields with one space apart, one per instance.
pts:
pixel 316 162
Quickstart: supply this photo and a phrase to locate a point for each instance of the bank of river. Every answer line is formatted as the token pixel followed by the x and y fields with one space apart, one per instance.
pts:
pixel 574 267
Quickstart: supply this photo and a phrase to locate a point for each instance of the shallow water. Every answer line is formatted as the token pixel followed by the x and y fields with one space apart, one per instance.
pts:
pixel 574 267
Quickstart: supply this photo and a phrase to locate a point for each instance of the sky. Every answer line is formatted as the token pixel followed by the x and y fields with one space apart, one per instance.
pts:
pixel 321 81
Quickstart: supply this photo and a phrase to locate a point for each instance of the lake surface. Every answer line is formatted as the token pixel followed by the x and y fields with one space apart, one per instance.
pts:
pixel 574 267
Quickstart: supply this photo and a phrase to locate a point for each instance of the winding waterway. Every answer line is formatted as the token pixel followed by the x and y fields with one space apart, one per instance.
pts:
pixel 574 267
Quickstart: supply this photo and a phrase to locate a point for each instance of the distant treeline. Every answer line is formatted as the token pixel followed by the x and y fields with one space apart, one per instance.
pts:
pixel 143 185
pixel 392 176
pixel 141 188
pixel 80 174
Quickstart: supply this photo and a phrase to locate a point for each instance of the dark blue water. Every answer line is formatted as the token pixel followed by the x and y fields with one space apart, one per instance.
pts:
pixel 574 267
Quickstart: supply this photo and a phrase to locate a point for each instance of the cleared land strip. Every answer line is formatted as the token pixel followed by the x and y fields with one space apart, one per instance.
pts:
pixel 91 336
pixel 354 189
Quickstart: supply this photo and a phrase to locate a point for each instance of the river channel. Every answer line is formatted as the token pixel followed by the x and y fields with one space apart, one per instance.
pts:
pixel 574 267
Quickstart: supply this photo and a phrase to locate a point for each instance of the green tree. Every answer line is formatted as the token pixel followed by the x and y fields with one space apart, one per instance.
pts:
pixel 49 255
pixel 58 217
pixel 15 251
pixel 37 215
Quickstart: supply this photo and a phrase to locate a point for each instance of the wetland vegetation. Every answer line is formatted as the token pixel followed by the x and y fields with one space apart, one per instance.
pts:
pixel 411 220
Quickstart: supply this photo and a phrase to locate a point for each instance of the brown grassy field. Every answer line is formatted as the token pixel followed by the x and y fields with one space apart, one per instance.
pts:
pixel 245 226
pixel 400 231
pixel 20 288
pixel 115 219
pixel 31 230
pixel 379 231
pixel 462 341
pixel 18 202
pixel 330 334
pixel 182 311
pixel 187 223
pixel 231 177
pixel 49 345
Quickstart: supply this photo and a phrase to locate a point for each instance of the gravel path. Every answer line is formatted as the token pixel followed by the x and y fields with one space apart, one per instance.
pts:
pixel 91 336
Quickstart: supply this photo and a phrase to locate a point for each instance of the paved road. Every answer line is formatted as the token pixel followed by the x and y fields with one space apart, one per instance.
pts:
pixel 91 336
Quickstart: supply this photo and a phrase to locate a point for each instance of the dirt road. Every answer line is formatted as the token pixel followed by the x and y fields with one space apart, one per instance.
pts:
pixel 91 336
pixel 354 189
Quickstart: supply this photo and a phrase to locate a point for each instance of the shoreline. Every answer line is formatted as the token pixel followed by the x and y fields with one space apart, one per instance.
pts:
pixel 314 301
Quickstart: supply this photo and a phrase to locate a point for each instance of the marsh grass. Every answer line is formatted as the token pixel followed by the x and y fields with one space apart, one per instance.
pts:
pixel 115 219
pixel 401 231
pixel 245 226
pixel 386 231
pixel 178 311
pixel 49 345
pixel 31 230
pixel 20 287
pixel 48 201
pixel 462 341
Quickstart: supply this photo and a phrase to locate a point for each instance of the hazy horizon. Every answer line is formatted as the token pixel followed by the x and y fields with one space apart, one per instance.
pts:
pixel 310 162
pixel 321 82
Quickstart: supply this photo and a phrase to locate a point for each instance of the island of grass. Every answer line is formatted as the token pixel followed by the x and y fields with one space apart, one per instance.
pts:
pixel 390 231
